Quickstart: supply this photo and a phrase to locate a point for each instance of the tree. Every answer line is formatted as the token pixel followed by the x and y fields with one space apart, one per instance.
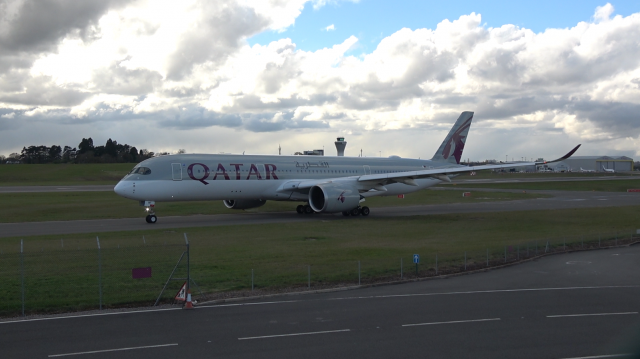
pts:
pixel 111 149
pixel 85 146
pixel 55 153
pixel 134 153
pixel 181 151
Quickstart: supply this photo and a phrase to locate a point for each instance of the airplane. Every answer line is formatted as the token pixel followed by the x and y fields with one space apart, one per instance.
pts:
pixel 324 184
pixel 608 170
pixel 586 171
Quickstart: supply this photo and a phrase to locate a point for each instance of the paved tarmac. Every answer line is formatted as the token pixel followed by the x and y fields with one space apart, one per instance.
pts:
pixel 582 304
pixel 561 200
pixel 507 178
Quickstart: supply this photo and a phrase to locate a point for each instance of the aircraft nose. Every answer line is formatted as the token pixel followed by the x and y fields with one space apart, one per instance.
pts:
pixel 122 188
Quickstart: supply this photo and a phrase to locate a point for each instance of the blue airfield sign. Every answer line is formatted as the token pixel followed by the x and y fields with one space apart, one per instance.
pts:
pixel 416 258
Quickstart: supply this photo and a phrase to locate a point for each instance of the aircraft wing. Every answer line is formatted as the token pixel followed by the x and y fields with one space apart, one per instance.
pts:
pixel 443 173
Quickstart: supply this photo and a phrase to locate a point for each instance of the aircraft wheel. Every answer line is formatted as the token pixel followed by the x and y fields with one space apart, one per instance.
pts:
pixel 308 209
pixel 346 213
pixel 153 219
pixel 355 211
pixel 147 219
pixel 300 209
pixel 365 211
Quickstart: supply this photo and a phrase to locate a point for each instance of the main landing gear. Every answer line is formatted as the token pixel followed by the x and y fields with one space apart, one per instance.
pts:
pixel 357 211
pixel 304 209
pixel 151 214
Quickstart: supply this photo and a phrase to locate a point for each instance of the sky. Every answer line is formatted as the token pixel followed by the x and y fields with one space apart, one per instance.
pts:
pixel 239 76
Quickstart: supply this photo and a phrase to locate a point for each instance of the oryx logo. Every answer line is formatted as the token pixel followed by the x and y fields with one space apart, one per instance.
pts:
pixel 341 197
pixel 456 142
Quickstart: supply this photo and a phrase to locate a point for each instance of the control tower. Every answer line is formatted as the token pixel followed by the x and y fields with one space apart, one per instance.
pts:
pixel 340 145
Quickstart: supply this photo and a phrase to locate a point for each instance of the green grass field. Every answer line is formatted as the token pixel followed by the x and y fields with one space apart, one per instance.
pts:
pixel 600 186
pixel 60 206
pixel 63 174
pixel 62 271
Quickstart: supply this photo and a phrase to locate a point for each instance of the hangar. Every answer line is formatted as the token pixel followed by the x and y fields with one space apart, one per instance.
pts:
pixel 595 163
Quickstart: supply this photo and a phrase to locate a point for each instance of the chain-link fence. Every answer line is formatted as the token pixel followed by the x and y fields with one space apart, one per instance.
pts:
pixel 71 275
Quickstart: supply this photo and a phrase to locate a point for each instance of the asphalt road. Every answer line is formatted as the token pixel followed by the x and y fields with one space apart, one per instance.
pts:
pixel 561 200
pixel 582 304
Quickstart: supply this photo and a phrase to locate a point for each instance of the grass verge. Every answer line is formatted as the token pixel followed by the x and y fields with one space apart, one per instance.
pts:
pixel 63 174
pixel 62 206
pixel 600 186
pixel 61 272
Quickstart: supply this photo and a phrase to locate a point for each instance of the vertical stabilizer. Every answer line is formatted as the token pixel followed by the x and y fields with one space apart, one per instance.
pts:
pixel 451 148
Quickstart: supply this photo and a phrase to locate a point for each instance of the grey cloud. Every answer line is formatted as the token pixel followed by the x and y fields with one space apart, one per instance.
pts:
pixel 39 24
pixel 274 76
pixel 620 118
pixel 218 35
pixel 120 80
pixel 42 91
pixel 266 123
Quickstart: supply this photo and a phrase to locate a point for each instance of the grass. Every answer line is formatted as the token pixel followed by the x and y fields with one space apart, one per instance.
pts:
pixel 60 206
pixel 600 186
pixel 63 174
pixel 61 272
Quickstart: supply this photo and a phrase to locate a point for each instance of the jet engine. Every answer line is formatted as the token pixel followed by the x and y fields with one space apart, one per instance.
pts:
pixel 243 203
pixel 332 198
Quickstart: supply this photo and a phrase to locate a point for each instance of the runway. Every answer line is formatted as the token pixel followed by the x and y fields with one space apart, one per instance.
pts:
pixel 508 178
pixel 582 304
pixel 561 200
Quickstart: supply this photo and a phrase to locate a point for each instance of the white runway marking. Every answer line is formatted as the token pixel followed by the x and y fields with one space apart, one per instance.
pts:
pixel 87 315
pixel 604 356
pixel 296 334
pixel 486 291
pixel 112 350
pixel 452 322
pixel 589 314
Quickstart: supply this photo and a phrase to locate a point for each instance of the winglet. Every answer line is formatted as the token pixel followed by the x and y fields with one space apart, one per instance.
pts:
pixel 563 157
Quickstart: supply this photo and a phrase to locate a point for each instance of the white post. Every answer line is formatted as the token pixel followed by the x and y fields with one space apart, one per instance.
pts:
pixel 99 271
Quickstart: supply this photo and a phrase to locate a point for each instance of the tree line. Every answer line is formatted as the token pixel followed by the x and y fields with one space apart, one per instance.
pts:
pixel 85 152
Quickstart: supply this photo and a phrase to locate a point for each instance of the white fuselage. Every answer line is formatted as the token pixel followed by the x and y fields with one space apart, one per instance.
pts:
pixel 232 177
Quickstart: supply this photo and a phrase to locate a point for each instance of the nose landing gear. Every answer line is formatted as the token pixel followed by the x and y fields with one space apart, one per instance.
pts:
pixel 151 214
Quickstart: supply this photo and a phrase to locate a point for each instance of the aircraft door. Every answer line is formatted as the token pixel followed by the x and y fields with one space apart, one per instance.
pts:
pixel 367 170
pixel 176 171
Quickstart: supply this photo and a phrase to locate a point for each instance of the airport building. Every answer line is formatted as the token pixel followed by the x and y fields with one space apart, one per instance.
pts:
pixel 594 163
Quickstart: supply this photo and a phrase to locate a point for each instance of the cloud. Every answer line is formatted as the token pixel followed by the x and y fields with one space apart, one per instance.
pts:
pixel 330 28
pixel 187 67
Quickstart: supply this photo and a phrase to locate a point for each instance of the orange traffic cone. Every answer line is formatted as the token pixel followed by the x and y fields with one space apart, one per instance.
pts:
pixel 188 304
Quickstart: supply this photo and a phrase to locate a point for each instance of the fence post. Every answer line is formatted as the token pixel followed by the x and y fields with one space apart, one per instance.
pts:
pixel 309 276
pixel 401 268
pixel 358 272
pixel 465 260
pixel 22 272
pixel 99 271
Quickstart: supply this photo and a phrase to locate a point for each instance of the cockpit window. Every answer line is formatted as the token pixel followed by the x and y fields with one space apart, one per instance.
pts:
pixel 141 171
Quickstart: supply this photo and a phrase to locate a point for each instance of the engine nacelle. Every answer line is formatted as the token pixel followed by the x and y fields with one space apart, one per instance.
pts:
pixel 243 203
pixel 332 198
